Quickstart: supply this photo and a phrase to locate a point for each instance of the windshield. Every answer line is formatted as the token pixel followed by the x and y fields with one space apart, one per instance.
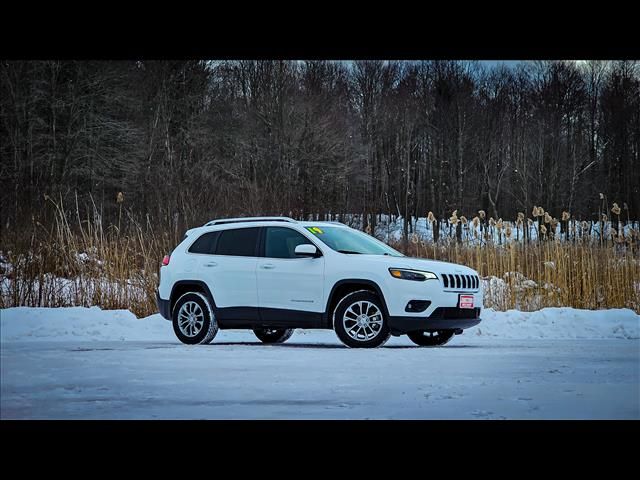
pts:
pixel 347 240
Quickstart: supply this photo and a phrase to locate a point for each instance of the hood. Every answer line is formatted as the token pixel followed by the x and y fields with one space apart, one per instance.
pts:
pixel 435 266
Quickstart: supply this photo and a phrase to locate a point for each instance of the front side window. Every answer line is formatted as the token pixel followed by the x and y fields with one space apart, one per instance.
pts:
pixel 282 242
pixel 240 242
pixel 347 240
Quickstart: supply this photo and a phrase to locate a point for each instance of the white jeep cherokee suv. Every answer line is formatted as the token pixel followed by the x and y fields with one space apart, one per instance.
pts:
pixel 275 274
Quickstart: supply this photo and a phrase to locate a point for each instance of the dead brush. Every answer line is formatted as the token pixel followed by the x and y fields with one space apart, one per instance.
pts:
pixel 81 261
pixel 580 272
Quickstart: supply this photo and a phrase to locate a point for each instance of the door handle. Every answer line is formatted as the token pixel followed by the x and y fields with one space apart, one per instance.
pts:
pixel 268 266
pixel 211 264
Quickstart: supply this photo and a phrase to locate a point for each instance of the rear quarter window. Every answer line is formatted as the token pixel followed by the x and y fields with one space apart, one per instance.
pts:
pixel 206 243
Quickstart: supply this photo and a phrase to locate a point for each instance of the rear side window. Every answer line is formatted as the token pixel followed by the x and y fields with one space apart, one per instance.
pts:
pixel 240 242
pixel 282 242
pixel 205 244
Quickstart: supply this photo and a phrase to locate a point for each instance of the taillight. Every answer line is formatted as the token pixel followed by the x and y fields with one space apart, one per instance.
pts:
pixel 165 260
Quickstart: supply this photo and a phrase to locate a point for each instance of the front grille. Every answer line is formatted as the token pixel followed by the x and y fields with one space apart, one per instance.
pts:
pixel 455 313
pixel 460 282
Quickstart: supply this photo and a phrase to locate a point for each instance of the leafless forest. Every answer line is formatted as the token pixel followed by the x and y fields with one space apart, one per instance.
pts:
pixel 104 164
pixel 186 141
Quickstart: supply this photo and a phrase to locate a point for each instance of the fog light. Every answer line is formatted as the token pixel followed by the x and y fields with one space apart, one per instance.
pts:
pixel 417 306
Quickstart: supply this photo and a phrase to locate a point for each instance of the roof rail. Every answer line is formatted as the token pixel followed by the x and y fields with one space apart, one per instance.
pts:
pixel 222 221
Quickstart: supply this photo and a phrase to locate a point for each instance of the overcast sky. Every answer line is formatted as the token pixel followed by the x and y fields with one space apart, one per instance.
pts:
pixel 508 63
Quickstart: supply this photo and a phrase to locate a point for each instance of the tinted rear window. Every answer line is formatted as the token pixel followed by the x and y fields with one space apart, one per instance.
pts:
pixel 205 244
pixel 240 242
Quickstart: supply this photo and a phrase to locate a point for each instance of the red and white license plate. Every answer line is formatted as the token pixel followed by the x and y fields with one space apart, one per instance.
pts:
pixel 466 301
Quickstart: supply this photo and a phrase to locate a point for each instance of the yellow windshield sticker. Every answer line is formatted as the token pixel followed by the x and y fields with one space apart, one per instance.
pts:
pixel 314 230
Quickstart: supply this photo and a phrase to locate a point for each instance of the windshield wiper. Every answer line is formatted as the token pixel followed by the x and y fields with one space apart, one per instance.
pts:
pixel 349 251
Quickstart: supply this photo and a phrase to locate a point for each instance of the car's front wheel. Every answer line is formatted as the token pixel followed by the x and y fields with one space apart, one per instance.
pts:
pixel 359 320
pixel 273 335
pixel 426 338
pixel 193 319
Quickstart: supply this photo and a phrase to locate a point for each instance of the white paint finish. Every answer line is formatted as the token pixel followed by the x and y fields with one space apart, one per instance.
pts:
pixel 233 283
pixel 232 279
pixel 291 283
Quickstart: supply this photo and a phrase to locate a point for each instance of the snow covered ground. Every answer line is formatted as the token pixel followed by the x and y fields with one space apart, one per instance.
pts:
pixel 557 363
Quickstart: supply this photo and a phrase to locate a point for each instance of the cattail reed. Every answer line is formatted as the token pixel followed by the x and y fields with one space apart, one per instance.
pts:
pixel 543 230
pixel 116 266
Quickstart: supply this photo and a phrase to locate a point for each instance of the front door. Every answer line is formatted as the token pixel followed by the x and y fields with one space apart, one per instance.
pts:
pixel 290 288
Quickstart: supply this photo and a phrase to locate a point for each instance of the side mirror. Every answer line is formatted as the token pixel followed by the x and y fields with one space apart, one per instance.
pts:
pixel 307 250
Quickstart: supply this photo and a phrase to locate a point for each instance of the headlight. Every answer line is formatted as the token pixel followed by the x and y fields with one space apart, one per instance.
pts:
pixel 415 275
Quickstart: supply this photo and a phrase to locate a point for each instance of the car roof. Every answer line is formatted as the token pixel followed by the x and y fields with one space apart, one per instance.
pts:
pixel 255 222
pixel 322 224
pixel 260 220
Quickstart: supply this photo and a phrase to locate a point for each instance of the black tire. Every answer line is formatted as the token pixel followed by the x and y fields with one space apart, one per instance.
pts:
pixel 426 338
pixel 273 335
pixel 209 326
pixel 381 329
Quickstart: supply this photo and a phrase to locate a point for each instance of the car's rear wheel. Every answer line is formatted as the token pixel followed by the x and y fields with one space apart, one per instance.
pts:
pixel 359 320
pixel 273 335
pixel 193 319
pixel 426 338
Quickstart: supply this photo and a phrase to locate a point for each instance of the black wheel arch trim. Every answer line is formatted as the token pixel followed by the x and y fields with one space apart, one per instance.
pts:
pixel 327 317
pixel 199 283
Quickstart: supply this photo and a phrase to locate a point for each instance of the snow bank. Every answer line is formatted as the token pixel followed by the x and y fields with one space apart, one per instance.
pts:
pixel 560 323
pixel 80 323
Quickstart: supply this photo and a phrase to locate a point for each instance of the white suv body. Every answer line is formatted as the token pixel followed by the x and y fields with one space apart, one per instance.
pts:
pixel 247 274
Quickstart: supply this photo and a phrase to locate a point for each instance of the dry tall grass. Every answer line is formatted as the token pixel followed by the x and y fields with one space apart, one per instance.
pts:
pixel 77 261
pixel 547 274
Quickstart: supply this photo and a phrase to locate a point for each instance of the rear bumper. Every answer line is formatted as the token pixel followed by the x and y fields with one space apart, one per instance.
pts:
pixel 440 319
pixel 163 306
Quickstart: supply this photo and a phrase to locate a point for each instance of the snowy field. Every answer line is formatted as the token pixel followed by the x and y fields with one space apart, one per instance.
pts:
pixel 80 363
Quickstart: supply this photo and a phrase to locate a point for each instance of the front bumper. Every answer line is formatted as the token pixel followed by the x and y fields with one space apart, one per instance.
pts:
pixel 449 318
pixel 164 306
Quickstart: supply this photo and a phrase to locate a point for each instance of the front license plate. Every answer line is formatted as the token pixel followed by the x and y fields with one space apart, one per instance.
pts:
pixel 466 301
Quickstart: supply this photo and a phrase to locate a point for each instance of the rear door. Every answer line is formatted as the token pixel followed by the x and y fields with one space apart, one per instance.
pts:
pixel 289 287
pixel 230 273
